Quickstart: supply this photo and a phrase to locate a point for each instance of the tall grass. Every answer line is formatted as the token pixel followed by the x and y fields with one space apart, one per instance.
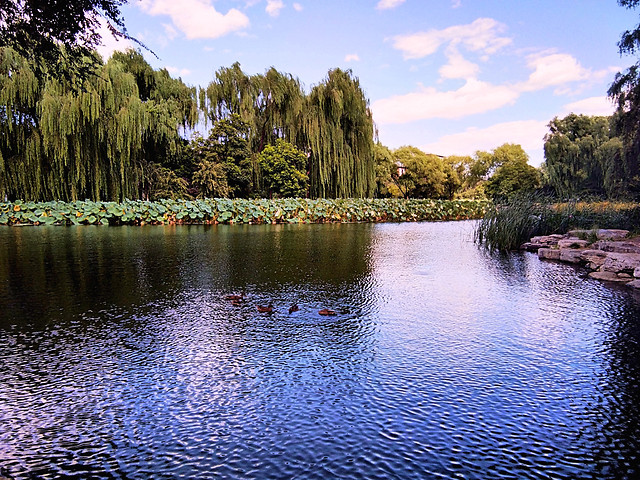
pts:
pixel 508 225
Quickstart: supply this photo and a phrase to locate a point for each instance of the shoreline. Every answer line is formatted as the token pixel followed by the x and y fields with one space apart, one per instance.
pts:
pixel 607 254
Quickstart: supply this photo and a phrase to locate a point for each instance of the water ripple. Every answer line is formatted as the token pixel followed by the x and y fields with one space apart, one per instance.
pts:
pixel 441 362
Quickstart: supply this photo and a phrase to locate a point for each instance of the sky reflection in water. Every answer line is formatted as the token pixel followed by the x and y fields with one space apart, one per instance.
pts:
pixel 122 358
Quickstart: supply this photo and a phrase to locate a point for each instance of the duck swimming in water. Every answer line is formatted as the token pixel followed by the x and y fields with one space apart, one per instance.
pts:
pixel 326 311
pixel 293 308
pixel 268 309
pixel 235 298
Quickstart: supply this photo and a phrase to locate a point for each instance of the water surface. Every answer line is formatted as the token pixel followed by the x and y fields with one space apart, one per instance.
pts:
pixel 121 358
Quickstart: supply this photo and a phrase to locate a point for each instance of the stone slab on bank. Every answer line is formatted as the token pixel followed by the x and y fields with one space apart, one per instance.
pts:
pixel 609 255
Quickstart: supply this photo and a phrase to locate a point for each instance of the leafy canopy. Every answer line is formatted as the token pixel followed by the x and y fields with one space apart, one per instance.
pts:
pixel 283 167
pixel 59 35
pixel 625 91
pixel 420 175
pixel 583 155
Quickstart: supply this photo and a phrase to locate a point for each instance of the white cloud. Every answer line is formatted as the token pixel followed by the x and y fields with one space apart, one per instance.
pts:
pixel 552 70
pixel 170 31
pixel 352 57
pixel 590 106
pixel 458 67
pixel 473 97
pixel 388 4
pixel 182 72
pixel 273 7
pixel 482 35
pixel 456 3
pixel 197 18
pixel 527 133
pixel 109 43
pixel 297 7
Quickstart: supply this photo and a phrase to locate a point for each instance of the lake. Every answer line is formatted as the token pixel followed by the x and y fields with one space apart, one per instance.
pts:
pixel 121 358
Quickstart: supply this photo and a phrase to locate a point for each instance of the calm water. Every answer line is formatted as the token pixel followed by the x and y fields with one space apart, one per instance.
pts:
pixel 121 358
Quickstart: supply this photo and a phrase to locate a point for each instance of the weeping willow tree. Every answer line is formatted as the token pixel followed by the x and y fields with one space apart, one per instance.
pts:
pixel 271 104
pixel 332 125
pixel 339 132
pixel 96 140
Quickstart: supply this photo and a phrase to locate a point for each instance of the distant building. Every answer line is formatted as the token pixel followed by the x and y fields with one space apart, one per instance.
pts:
pixel 400 168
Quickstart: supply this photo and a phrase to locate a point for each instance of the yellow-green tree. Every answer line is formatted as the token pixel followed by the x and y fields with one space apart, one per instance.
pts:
pixel 332 124
pixel 283 170
pixel 94 138
pixel 419 175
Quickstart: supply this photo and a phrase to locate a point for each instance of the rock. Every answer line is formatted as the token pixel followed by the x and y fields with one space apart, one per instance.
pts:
pixel 601 234
pixel 593 258
pixel 549 253
pixel 547 240
pixel 570 255
pixel 572 242
pixel 636 272
pixel 621 262
pixel 612 234
pixel 617 247
pixel 531 247
pixel 634 284
pixel 609 277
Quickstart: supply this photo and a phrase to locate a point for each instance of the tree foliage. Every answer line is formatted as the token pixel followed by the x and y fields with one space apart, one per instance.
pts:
pixel 37 29
pixel 513 177
pixel 384 167
pixel 119 133
pixel 423 175
pixel 339 131
pixel 583 155
pixel 224 161
pixel 283 170
pixel 58 142
pixel 625 91
pixel 333 123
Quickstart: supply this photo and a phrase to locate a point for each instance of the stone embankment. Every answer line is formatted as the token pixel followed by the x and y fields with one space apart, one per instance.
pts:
pixel 609 255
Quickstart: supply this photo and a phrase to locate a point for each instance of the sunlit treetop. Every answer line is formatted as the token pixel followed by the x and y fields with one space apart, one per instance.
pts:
pixel 59 34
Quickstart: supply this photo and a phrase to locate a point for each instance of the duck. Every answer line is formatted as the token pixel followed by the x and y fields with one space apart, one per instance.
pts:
pixel 326 311
pixel 268 309
pixel 236 303
pixel 293 308
pixel 234 297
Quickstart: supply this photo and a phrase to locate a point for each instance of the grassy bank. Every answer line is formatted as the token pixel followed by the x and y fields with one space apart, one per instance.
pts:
pixel 507 226
pixel 222 210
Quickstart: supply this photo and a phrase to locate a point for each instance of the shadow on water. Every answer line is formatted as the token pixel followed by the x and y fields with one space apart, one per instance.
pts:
pixel 122 358
pixel 63 272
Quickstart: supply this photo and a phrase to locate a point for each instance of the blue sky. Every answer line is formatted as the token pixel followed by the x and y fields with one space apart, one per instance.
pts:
pixel 448 76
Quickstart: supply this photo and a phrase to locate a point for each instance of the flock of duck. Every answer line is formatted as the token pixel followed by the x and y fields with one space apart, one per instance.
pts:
pixel 238 300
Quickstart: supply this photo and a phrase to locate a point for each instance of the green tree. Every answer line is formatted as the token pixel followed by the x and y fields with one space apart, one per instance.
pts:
pixel 462 166
pixel 339 132
pixel 164 183
pixel 582 155
pixel 625 91
pixel 384 167
pixel 271 104
pixel 210 179
pixel 283 170
pixel 223 161
pixel 453 177
pixel 59 36
pixel 332 124
pixel 512 177
pixel 58 142
pixel 424 175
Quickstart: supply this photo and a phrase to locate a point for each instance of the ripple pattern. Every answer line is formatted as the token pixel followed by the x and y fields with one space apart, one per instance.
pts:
pixel 442 362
